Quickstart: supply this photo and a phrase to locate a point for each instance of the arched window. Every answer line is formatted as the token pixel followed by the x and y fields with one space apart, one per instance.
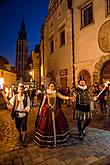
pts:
pixel 105 72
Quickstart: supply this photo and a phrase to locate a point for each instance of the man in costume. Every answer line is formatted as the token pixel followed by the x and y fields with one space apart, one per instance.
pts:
pixel 20 105
pixel 82 112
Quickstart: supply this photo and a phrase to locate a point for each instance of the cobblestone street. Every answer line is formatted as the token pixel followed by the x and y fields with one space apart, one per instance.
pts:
pixel 94 150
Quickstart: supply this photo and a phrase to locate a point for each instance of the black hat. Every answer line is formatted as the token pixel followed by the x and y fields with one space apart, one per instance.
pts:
pixel 81 78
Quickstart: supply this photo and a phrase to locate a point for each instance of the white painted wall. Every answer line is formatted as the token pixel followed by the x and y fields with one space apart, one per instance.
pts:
pixel 87 51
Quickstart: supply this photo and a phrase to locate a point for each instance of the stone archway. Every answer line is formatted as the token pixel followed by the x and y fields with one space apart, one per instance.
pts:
pixel 97 75
pixel 86 75
pixel 105 72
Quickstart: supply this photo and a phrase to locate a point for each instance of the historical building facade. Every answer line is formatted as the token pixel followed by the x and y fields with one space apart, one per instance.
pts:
pixel 7 73
pixel 42 68
pixel 92 39
pixel 35 66
pixel 22 53
pixel 56 45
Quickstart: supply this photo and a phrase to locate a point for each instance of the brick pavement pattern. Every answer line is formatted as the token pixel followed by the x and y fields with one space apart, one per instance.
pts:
pixel 94 150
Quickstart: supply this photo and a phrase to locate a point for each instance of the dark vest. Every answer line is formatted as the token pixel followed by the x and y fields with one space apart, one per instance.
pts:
pixel 25 101
pixel 17 102
pixel 83 100
pixel 13 112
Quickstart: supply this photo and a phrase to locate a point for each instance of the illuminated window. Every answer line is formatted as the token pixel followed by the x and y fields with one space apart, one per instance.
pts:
pixel 87 15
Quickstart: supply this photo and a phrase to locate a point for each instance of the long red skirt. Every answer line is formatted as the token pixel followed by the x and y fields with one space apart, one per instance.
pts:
pixel 44 135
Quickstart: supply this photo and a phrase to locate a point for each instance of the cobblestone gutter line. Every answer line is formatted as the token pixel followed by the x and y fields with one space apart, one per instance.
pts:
pixel 102 161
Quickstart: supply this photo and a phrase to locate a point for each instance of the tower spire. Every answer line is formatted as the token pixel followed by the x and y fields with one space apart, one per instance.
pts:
pixel 22 48
pixel 22 33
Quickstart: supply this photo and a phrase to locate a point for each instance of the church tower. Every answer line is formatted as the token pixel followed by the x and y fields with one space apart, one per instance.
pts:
pixel 22 51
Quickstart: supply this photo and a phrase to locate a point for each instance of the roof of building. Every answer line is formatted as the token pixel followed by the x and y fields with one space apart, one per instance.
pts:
pixel 3 61
pixel 4 65
pixel 51 3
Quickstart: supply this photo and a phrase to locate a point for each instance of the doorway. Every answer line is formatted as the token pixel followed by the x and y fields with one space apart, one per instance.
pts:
pixel 86 76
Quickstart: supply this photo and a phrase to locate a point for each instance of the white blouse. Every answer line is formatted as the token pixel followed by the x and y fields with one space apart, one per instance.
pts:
pixel 21 105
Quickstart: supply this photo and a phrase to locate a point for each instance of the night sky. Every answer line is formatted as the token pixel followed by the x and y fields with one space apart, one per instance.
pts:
pixel 12 12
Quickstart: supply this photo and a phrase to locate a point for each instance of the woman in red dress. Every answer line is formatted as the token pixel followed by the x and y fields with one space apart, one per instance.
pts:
pixel 52 126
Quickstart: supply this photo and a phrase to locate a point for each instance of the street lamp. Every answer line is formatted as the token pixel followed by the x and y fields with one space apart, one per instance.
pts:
pixel 1 83
pixel 31 73
pixel 30 76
